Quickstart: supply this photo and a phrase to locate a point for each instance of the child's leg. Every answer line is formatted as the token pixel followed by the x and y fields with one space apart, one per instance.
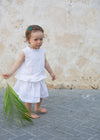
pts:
pixel 38 108
pixel 32 115
pixel 28 106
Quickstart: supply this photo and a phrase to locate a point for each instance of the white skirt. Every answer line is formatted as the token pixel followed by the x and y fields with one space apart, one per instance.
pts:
pixel 31 92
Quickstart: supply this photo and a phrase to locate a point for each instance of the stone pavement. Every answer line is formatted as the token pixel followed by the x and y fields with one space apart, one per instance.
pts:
pixel 72 115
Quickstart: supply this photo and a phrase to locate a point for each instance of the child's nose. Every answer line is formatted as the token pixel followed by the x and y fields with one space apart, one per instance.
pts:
pixel 39 41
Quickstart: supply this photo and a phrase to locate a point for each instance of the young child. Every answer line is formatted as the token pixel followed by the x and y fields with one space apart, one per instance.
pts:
pixel 31 64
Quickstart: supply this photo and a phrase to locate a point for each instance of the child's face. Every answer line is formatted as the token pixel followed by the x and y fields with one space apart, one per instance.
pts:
pixel 36 39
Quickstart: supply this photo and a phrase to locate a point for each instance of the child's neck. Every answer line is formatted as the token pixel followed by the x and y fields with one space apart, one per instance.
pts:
pixel 33 47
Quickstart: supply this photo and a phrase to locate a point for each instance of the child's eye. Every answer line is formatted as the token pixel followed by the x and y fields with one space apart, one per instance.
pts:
pixel 38 39
pixel 35 39
pixel 41 38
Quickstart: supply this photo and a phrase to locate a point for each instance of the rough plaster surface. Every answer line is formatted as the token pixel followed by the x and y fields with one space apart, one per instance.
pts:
pixel 72 38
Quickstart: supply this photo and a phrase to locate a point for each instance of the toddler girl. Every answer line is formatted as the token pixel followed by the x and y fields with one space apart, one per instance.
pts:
pixel 31 66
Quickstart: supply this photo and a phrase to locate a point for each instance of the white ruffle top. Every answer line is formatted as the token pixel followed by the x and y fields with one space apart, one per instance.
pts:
pixel 33 68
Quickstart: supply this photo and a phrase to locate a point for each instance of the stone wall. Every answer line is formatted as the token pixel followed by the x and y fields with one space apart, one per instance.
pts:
pixel 72 38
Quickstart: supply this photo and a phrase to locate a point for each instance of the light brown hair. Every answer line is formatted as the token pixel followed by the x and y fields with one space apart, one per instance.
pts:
pixel 32 28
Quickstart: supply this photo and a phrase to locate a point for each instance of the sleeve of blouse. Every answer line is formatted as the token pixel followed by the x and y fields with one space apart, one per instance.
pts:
pixel 25 51
pixel 44 52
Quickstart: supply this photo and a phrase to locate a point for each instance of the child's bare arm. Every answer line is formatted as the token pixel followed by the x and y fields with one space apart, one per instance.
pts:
pixel 48 68
pixel 14 67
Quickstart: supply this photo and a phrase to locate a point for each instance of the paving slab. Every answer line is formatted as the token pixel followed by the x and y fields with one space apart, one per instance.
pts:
pixel 72 115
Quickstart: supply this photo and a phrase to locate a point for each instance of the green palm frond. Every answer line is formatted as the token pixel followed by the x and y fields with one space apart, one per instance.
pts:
pixel 14 109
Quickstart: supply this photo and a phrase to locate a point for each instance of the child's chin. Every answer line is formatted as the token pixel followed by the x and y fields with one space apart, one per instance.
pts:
pixel 37 48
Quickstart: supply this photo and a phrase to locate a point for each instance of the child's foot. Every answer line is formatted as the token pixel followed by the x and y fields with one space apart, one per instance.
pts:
pixel 41 110
pixel 33 116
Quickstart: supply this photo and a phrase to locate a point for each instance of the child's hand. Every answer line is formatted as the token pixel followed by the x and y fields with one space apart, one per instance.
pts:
pixel 5 76
pixel 53 76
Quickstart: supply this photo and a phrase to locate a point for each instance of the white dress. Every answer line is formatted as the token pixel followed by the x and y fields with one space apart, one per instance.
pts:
pixel 31 86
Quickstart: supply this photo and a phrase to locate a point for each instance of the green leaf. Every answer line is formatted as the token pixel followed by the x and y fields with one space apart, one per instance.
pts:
pixel 14 109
